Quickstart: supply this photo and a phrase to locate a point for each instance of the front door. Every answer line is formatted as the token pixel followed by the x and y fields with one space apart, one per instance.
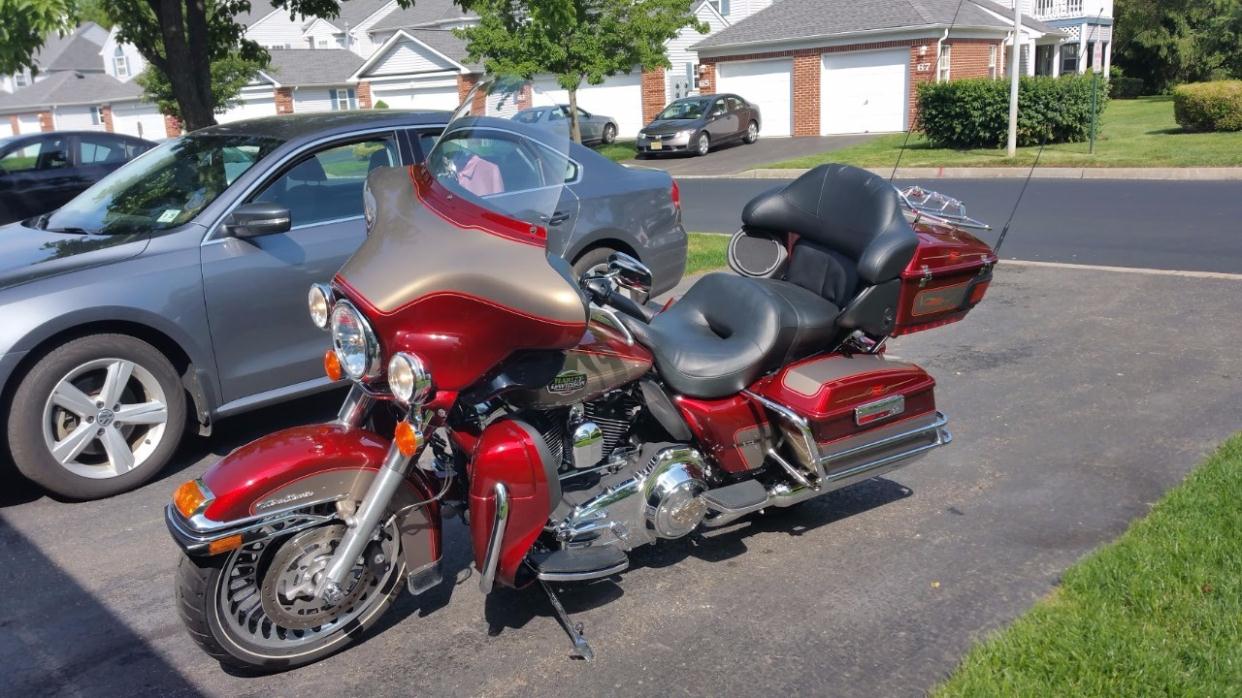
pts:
pixel 256 289
pixel 35 178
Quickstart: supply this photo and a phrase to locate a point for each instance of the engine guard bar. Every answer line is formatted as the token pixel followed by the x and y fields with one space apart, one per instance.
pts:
pixel 198 542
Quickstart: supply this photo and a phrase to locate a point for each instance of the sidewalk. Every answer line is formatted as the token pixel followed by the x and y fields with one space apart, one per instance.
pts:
pixel 1115 173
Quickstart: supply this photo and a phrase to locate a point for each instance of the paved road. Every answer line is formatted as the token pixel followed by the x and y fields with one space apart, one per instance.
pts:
pixel 1159 225
pixel 739 157
pixel 1074 402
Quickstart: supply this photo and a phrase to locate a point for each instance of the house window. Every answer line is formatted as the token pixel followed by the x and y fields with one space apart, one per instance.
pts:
pixel 721 6
pixel 946 57
pixel 343 100
pixel 1069 58
pixel 992 73
pixel 96 116
pixel 21 79
pixel 120 64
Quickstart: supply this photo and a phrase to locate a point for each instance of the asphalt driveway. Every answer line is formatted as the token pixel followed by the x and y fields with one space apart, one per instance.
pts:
pixel 739 157
pixel 1075 401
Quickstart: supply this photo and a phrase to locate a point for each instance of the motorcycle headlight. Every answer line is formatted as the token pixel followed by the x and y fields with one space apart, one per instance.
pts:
pixel 354 342
pixel 408 379
pixel 319 302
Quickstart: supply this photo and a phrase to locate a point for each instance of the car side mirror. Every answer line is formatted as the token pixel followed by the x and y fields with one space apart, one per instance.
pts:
pixel 258 218
pixel 631 275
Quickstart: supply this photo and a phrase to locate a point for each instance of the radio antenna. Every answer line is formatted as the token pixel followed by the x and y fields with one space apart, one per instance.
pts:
pixel 1005 230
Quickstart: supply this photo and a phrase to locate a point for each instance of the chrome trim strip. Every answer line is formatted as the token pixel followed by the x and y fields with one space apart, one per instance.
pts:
pixel 500 521
pixel 937 426
pixel 799 422
pixel 608 316
pixel 199 525
pixel 584 576
pixel 196 543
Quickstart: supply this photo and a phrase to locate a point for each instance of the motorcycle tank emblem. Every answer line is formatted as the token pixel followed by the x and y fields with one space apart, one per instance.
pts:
pixel 283 500
pixel 567 383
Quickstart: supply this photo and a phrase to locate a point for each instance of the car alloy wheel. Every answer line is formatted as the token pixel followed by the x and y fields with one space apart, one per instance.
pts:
pixel 610 134
pixel 752 132
pixel 105 418
pixel 703 144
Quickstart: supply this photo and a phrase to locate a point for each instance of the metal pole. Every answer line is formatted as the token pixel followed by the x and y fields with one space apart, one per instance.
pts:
pixel 1095 78
pixel 1014 67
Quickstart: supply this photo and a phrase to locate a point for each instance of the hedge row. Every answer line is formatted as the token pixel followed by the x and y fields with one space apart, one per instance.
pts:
pixel 1121 87
pixel 1209 106
pixel 975 113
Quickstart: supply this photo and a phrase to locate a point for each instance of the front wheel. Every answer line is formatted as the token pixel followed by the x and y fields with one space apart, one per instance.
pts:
pixel 702 145
pixel 752 133
pixel 610 134
pixel 255 608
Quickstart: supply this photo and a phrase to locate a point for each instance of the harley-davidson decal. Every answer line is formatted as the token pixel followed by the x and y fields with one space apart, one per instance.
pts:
pixel 283 500
pixel 567 383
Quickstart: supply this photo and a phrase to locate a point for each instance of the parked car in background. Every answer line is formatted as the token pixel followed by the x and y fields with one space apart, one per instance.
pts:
pixel 595 128
pixel 40 172
pixel 172 293
pixel 697 124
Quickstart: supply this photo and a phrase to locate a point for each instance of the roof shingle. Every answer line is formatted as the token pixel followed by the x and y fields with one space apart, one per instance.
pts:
pixel 70 88
pixel 305 67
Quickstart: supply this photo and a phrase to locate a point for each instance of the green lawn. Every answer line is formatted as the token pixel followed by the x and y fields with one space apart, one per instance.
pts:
pixel 706 251
pixel 617 151
pixel 1133 133
pixel 1156 613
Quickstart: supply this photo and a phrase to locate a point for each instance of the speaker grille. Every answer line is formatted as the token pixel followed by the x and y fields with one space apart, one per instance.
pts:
pixel 756 254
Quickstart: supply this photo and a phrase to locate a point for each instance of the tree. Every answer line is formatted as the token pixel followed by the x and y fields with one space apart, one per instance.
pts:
pixel 1166 42
pixel 575 40
pixel 228 76
pixel 24 25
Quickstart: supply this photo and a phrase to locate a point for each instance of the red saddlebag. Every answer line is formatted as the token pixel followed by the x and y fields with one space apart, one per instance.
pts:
pixel 947 277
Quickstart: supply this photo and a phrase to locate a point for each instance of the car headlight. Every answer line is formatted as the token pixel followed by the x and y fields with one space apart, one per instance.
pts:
pixel 354 342
pixel 687 133
pixel 319 302
pixel 408 379
pixel 642 134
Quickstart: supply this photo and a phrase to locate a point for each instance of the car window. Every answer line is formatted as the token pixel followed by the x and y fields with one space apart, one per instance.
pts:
pixel 583 114
pixel 43 154
pixel 527 116
pixel 427 139
pixel 93 150
pixel 685 109
pixel 557 113
pixel 488 163
pixel 718 107
pixel 734 103
pixel 327 184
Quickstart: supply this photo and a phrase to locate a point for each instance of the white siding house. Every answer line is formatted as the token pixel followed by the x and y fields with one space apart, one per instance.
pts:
pixel 681 78
pixel 121 61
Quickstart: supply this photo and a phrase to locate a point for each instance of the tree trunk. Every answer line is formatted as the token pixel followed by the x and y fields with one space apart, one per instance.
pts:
pixel 187 66
pixel 575 129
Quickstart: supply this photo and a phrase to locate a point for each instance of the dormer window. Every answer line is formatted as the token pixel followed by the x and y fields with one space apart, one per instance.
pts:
pixel 21 79
pixel 721 6
pixel 120 63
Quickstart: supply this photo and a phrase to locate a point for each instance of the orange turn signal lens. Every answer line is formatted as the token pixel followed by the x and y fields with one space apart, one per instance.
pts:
pixel 188 498
pixel 332 366
pixel 408 439
pixel 224 544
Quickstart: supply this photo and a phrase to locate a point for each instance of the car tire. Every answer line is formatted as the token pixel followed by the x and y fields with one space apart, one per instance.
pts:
pixel 59 399
pixel 752 133
pixel 610 134
pixel 591 259
pixel 702 144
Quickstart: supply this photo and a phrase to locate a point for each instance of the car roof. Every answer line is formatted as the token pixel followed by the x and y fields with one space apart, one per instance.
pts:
pixel 290 127
pixel 42 134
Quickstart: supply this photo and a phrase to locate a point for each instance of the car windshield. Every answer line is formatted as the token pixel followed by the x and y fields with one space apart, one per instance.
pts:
pixel 164 188
pixel 528 116
pixel 686 109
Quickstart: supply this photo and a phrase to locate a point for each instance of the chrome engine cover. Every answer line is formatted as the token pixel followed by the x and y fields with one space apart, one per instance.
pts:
pixel 659 500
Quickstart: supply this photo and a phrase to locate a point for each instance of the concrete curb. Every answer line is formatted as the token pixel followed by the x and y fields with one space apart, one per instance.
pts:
pixel 1116 173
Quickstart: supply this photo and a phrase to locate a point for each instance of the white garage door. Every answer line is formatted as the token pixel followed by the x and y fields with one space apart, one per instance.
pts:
pixel 619 96
pixel 251 108
pixel 28 123
pixel 768 84
pixel 864 92
pixel 6 126
pixel 415 95
pixel 137 119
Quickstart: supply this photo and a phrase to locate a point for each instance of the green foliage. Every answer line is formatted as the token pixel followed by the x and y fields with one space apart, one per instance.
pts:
pixel 705 252
pixel 1209 106
pixel 575 40
pixel 93 11
pixel 24 24
pixel 228 76
pixel 1123 87
pixel 380 105
pixel 975 113
pixel 1167 42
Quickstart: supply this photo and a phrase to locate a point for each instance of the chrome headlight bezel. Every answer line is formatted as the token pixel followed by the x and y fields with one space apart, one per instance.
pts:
pixel 409 381
pixel 364 361
pixel 320 295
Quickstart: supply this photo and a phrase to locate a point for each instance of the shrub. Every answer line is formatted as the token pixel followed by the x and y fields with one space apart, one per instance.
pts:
pixel 975 113
pixel 1209 106
pixel 1122 87
pixel 380 105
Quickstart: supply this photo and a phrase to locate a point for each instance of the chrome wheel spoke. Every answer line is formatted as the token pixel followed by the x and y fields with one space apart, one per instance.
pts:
pixel 153 412
pixel 119 372
pixel 119 454
pixel 68 448
pixel 67 396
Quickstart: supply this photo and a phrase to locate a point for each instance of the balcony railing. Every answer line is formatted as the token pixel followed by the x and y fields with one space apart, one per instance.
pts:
pixel 1057 9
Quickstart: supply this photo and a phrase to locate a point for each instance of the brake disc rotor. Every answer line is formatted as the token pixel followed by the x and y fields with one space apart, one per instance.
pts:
pixel 288 592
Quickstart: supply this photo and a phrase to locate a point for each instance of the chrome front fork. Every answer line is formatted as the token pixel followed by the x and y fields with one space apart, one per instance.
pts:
pixel 374 504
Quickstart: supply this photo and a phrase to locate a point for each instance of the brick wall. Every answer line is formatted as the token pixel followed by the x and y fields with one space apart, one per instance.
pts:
pixel 707 78
pixel 13 122
pixel 172 126
pixel 806 78
pixel 284 100
pixel 363 93
pixel 105 113
pixel 969 58
pixel 653 93
pixel 922 69
pixel 464 84
pixel 45 121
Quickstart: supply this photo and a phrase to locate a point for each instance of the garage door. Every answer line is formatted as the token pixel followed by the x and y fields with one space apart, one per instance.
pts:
pixel 137 119
pixel 619 96
pixel 250 108
pixel 6 126
pixel 413 95
pixel 28 123
pixel 768 84
pixel 864 92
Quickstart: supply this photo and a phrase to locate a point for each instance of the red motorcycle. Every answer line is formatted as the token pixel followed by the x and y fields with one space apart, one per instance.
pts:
pixel 567 420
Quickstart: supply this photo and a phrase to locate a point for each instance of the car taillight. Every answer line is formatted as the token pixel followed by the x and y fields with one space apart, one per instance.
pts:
pixel 676 194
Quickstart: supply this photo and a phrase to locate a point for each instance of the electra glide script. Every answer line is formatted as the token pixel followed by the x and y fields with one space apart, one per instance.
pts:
pixel 569 421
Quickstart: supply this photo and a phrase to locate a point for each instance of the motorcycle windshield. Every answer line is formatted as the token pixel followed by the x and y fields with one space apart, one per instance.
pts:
pixel 455 265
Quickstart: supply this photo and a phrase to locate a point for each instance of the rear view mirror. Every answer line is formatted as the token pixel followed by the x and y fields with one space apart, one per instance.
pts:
pixel 257 219
pixel 631 275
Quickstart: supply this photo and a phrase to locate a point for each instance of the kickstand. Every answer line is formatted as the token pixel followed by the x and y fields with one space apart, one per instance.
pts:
pixel 581 649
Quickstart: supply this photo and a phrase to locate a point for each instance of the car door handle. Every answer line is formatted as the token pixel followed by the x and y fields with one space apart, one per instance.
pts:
pixel 556 218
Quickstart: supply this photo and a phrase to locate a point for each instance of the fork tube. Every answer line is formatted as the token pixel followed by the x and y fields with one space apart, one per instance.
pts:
pixel 355 407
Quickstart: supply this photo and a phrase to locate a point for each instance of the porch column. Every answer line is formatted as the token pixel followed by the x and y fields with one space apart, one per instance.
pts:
pixel 1108 56
pixel 1030 58
pixel 1056 60
pixel 1082 48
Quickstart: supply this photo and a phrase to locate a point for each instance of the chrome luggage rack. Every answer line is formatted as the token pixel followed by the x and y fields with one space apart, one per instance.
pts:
pixel 924 204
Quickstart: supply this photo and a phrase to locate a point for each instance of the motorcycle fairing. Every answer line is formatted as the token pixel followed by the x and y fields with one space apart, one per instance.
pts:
pixel 291 469
pixel 458 285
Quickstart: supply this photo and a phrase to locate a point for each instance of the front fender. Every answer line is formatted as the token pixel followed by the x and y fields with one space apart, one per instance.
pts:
pixel 280 475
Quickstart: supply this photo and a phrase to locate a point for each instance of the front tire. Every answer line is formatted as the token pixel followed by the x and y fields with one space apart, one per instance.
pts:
pixel 97 416
pixel 752 133
pixel 236 605
pixel 610 134
pixel 702 145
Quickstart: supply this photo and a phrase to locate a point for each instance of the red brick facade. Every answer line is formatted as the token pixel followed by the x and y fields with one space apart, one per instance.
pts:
pixel 45 121
pixel 13 123
pixel 172 126
pixel 284 100
pixel 969 59
pixel 363 93
pixel 653 93
pixel 106 113
pixel 465 83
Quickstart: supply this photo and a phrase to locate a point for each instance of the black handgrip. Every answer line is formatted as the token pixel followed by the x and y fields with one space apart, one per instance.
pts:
pixel 629 306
